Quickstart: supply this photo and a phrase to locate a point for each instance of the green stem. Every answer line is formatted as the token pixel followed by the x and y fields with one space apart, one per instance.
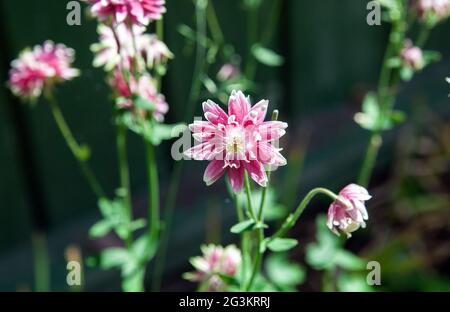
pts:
pixel 79 152
pixel 259 237
pixel 154 222
pixel 384 85
pixel 293 218
pixel 41 262
pixel 248 193
pixel 200 67
pixel 244 242
pixel 124 175
pixel 214 24
pixel 370 159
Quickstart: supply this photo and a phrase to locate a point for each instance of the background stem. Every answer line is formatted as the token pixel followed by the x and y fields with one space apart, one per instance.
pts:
pixel 124 176
pixel 75 148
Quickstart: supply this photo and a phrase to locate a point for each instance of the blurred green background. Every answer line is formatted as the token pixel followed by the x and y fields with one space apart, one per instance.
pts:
pixel 332 58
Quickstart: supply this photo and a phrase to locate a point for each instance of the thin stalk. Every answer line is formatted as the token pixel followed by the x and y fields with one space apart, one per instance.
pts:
pixel 214 25
pixel 383 92
pixel 244 243
pixel 124 176
pixel 78 151
pixel 153 190
pixel 41 262
pixel 248 193
pixel 200 67
pixel 293 218
pixel 259 240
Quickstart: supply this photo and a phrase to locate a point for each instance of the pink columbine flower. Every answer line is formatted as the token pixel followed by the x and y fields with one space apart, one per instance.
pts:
pixel 118 49
pixel 215 260
pixel 145 88
pixel 348 212
pixel 228 71
pixel 412 56
pixel 237 142
pixel 437 8
pixel 44 65
pixel 135 11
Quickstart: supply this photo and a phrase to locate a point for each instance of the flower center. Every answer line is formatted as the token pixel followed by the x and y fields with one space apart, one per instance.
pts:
pixel 234 140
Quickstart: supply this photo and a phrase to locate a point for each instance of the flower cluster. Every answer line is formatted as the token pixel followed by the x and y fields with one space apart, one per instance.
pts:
pixel 126 51
pixel 412 56
pixel 237 142
pixel 214 262
pixel 132 11
pixel 348 212
pixel 436 9
pixel 144 87
pixel 43 66
pixel 116 48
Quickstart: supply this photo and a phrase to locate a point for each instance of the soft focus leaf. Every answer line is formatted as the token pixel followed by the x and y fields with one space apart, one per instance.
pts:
pixel 281 244
pixel 267 56
pixel 352 283
pixel 113 257
pixel 161 132
pixel 100 228
pixel 348 261
pixel 283 273
pixel 243 226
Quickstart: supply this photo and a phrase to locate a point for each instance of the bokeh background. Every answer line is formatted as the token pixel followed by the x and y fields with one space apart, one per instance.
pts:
pixel 332 58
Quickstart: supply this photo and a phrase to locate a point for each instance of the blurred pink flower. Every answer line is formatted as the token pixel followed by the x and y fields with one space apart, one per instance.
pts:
pixel 150 48
pixel 437 8
pixel 412 56
pixel 215 260
pixel 228 71
pixel 45 64
pixel 238 141
pixel 144 88
pixel 348 212
pixel 135 11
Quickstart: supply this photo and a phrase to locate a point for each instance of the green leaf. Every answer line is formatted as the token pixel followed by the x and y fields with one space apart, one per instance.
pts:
pixel 406 73
pixel 320 255
pixel 229 280
pixel 138 224
pixel 266 56
pixel 370 115
pixel 134 282
pixel 243 226
pixel 143 248
pixel 283 273
pixel 100 228
pixel 281 244
pixel 143 103
pixel 161 132
pixel 105 207
pixel 394 62
pixel 348 261
pixel 113 257
pixel 352 283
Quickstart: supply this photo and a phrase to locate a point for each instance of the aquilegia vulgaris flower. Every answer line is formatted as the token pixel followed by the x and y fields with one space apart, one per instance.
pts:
pixel 44 65
pixel 145 88
pixel 216 260
pixel 348 212
pixel 412 56
pixel 237 142
pixel 151 50
pixel 438 9
pixel 134 11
